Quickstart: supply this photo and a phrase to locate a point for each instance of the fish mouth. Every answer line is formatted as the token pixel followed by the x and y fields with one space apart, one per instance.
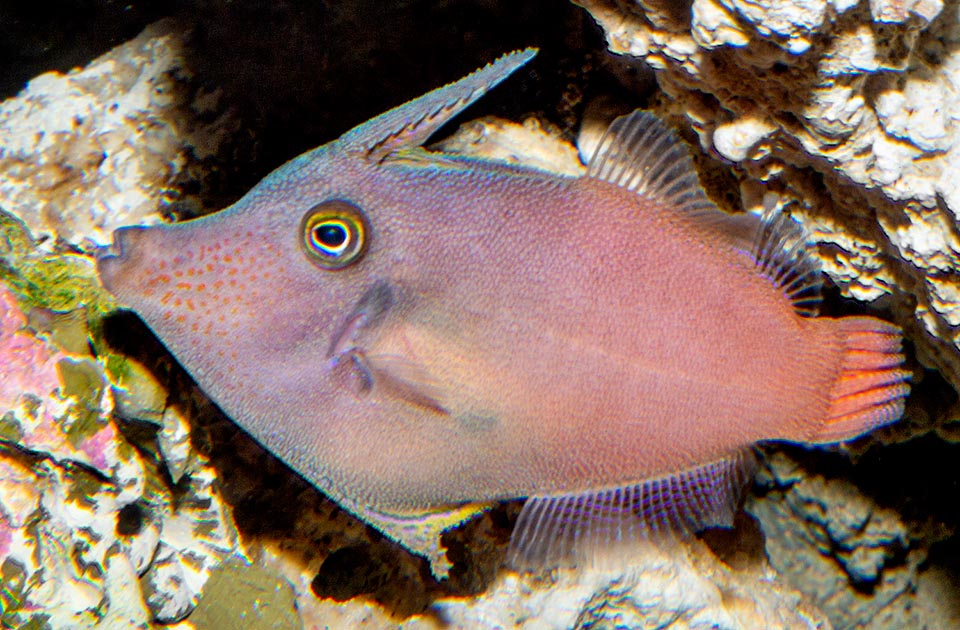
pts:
pixel 114 260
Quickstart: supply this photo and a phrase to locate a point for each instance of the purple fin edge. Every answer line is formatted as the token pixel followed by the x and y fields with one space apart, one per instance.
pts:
pixel 595 526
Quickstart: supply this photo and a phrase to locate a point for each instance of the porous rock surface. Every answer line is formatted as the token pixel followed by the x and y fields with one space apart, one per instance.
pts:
pixel 85 152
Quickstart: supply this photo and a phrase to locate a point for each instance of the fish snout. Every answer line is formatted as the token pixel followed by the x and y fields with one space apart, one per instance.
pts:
pixel 115 261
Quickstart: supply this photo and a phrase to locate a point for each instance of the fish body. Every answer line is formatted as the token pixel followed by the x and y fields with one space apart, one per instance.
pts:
pixel 502 332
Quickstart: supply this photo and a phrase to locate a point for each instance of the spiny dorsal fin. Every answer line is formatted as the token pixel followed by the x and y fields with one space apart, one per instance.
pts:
pixel 599 527
pixel 412 123
pixel 782 255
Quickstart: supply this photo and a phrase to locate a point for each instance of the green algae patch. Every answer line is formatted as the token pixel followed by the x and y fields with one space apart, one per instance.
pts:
pixel 243 595
pixel 137 392
pixel 60 281
pixel 10 429
pixel 83 381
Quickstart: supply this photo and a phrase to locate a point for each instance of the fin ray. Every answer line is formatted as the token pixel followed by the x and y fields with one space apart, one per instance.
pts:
pixel 781 254
pixel 591 527
pixel 411 124
pixel 638 152
pixel 400 377
pixel 872 386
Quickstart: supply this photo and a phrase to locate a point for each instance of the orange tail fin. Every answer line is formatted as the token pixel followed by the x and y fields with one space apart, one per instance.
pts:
pixel 872 386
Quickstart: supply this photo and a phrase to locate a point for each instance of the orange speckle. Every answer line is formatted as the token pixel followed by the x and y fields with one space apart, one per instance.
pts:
pixel 178 273
pixel 217 284
pixel 210 267
pixel 166 297
pixel 164 278
pixel 181 319
pixel 194 327
pixel 228 258
pixel 177 302
pixel 201 287
pixel 232 271
pixel 184 286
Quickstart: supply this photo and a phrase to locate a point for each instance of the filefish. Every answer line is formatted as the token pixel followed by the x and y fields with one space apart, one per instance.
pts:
pixel 421 335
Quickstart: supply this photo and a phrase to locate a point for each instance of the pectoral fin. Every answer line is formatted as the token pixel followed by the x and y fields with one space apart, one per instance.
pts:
pixel 408 381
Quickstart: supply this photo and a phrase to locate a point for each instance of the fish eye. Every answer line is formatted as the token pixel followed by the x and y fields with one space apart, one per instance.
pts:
pixel 334 234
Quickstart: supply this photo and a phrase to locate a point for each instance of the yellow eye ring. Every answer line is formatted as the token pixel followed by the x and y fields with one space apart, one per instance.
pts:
pixel 334 234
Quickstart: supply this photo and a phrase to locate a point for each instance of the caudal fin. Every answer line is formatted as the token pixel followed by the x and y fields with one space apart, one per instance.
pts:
pixel 872 385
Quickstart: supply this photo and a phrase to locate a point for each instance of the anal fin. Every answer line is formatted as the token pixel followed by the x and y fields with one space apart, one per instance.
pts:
pixel 598 527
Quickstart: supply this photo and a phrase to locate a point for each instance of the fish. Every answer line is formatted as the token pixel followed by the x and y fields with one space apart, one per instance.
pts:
pixel 422 335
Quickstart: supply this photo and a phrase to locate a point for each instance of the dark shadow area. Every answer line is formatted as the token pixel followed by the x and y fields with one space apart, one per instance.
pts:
pixel 919 479
pixel 299 73
pixel 38 37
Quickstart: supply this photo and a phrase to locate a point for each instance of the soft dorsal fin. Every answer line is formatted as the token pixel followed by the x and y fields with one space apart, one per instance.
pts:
pixel 638 152
pixel 412 123
pixel 782 254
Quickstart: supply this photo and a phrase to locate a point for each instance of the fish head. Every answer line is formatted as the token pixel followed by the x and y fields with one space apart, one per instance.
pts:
pixel 246 291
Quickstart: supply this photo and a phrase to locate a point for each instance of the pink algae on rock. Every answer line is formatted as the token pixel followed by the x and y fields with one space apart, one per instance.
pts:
pixel 52 402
